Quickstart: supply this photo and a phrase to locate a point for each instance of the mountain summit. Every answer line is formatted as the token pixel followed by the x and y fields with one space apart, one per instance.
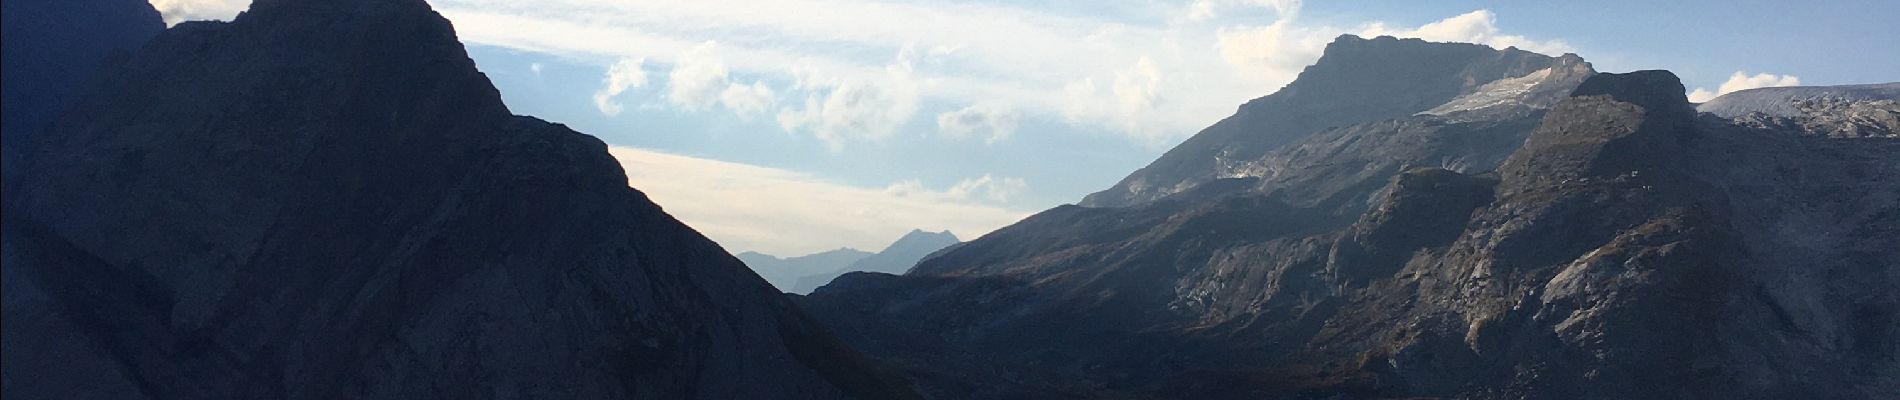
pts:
pixel 1356 80
pixel 325 199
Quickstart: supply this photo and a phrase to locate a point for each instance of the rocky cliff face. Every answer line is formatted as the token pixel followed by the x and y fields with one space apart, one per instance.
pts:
pixel 1356 81
pixel 52 48
pixel 325 199
pixel 1624 247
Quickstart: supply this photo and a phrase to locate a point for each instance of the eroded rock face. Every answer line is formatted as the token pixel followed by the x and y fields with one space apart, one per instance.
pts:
pixel 1627 247
pixel 325 199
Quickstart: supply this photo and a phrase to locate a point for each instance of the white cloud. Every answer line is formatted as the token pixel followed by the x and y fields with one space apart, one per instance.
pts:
pixel 841 109
pixel 986 187
pixel 748 100
pixel 1272 54
pixel 624 74
pixel 1203 10
pixel 698 77
pixel 992 121
pixel 1206 56
pixel 175 11
pixel 1743 81
pixel 994 189
pixel 1479 27
pixel 775 211
pixel 535 68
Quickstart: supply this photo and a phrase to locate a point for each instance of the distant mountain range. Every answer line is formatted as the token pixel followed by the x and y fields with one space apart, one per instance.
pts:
pixel 785 272
pixel 1428 220
pixel 803 274
pixel 324 199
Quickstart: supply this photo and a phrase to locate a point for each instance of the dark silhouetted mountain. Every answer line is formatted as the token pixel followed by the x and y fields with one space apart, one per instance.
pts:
pixel 52 48
pixel 325 199
pixel 783 273
pixel 1617 245
pixel 1355 81
pixel 1851 111
pixel 894 259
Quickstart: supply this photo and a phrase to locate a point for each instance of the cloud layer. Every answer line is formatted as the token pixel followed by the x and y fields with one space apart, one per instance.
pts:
pixel 747 207
pixel 1743 81
pixel 624 74
pixel 864 69
pixel 1152 72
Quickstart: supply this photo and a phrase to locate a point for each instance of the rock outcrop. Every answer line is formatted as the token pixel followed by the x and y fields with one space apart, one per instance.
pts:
pixel 1626 247
pixel 325 199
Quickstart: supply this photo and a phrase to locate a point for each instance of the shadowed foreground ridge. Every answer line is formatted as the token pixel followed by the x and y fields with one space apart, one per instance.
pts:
pixel 325 199
pixel 1622 247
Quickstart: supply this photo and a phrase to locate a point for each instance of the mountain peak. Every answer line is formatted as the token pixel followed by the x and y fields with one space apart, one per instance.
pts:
pixel 1355 81
pixel 923 235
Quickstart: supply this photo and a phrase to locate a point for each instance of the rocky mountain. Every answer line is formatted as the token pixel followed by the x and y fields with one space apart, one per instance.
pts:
pixel 325 199
pixel 1356 81
pixel 895 259
pixel 1849 111
pixel 1609 243
pixel 52 48
pixel 784 273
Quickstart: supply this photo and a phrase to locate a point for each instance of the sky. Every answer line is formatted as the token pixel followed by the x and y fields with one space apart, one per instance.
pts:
pixel 796 126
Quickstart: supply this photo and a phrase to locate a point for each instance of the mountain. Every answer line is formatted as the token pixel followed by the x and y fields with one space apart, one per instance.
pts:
pixel 52 48
pixel 325 199
pixel 1355 81
pixel 895 259
pixel 1849 111
pixel 1610 243
pixel 784 273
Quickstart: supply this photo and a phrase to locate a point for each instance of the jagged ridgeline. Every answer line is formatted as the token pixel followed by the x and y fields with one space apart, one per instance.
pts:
pixel 1425 220
pixel 324 199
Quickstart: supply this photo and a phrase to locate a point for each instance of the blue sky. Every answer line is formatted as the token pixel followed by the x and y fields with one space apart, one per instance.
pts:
pixel 795 126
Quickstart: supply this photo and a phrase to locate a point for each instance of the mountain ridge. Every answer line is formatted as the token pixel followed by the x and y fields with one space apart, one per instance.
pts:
pixel 1615 245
